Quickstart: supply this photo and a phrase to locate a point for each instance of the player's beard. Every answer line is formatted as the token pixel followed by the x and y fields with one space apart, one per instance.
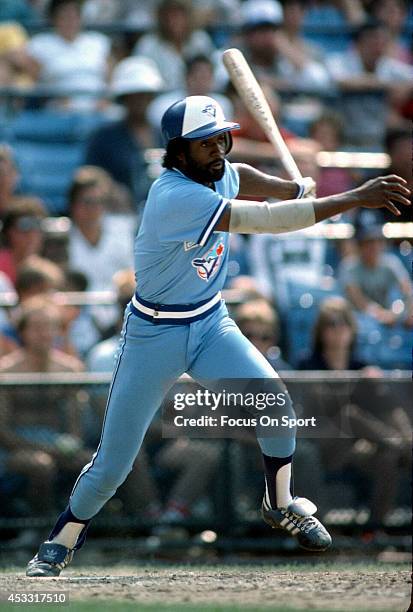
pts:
pixel 204 174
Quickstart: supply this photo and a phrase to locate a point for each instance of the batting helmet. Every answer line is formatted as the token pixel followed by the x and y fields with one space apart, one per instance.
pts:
pixel 194 118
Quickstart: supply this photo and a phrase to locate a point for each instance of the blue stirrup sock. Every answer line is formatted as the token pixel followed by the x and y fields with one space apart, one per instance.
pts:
pixel 278 481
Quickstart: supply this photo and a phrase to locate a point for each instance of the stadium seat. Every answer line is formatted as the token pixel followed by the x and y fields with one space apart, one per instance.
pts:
pixel 386 347
pixel 369 339
pixel 47 169
pixel 299 325
pixel 396 348
pixel 53 126
pixel 49 146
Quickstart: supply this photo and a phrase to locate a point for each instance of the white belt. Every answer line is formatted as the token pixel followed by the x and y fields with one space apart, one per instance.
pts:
pixel 176 314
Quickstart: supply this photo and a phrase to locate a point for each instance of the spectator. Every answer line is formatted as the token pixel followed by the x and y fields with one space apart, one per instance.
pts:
pixel 8 342
pixel 398 145
pixel 245 289
pixel 14 60
pixel 130 13
pixel 199 81
pixel 174 41
pixel 42 436
pixel 8 177
pixel 334 338
pixel 376 440
pixel 259 322
pixel 361 73
pixel 38 275
pixel 328 131
pixel 272 58
pixel 22 234
pixel 371 277
pixel 69 59
pixel 38 326
pixel 215 16
pixel 292 31
pixel 99 245
pixel 394 14
pixel 119 146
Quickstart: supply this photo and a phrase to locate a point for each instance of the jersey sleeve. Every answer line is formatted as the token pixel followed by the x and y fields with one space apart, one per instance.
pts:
pixel 189 213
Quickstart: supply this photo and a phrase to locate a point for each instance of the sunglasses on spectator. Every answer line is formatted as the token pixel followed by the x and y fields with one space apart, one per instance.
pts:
pixel 28 224
pixel 336 323
pixel 91 201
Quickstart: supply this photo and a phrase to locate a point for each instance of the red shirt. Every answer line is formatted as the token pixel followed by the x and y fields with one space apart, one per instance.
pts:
pixel 8 265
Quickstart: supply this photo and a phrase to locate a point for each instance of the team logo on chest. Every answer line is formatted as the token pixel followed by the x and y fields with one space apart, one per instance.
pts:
pixel 208 265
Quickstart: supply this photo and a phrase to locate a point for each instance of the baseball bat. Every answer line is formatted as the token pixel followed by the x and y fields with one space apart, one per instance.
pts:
pixel 251 93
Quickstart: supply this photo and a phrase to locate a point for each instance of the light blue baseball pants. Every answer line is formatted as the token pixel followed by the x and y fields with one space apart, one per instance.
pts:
pixel 151 357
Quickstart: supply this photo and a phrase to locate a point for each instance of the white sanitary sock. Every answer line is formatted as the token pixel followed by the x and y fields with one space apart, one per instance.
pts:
pixel 68 536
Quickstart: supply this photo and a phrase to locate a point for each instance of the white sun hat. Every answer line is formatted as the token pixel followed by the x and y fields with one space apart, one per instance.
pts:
pixel 135 75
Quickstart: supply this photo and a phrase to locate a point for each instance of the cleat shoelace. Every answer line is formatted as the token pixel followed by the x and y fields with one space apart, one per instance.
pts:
pixel 304 523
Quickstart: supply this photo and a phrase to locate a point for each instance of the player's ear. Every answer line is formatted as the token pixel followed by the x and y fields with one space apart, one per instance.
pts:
pixel 228 142
pixel 181 157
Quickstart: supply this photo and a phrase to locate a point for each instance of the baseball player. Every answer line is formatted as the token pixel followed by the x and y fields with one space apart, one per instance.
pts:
pixel 177 321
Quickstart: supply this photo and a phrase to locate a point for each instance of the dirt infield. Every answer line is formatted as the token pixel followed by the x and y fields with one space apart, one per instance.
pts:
pixel 276 588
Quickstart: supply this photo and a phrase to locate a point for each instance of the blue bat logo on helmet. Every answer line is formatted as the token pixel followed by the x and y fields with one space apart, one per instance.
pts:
pixel 210 110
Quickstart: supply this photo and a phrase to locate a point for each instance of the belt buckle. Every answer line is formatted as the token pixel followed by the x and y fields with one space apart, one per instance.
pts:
pixel 155 313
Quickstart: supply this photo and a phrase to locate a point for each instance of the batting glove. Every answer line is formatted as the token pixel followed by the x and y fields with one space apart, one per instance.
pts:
pixel 306 188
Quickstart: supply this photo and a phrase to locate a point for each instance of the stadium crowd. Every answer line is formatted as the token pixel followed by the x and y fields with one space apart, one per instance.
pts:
pixel 83 86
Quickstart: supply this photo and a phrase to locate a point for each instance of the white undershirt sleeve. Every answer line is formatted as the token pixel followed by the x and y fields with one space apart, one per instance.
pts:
pixel 249 217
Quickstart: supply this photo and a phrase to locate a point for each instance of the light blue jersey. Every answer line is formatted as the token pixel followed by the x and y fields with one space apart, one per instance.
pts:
pixel 179 259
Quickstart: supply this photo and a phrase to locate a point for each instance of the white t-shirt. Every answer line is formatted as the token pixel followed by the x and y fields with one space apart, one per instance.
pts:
pixel 113 252
pixel 99 263
pixel 77 64
pixel 170 63
pixel 348 64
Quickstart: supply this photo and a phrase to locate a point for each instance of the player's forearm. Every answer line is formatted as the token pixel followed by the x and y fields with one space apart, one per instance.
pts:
pixel 327 207
pixel 253 182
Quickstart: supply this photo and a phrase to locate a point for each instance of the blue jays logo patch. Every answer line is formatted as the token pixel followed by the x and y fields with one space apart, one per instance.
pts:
pixel 211 110
pixel 208 265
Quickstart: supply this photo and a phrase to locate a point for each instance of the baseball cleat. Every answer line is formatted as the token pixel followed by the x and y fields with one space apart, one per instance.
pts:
pixel 298 520
pixel 49 561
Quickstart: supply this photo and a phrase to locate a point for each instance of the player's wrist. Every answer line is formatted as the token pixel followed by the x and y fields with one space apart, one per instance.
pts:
pixel 305 187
